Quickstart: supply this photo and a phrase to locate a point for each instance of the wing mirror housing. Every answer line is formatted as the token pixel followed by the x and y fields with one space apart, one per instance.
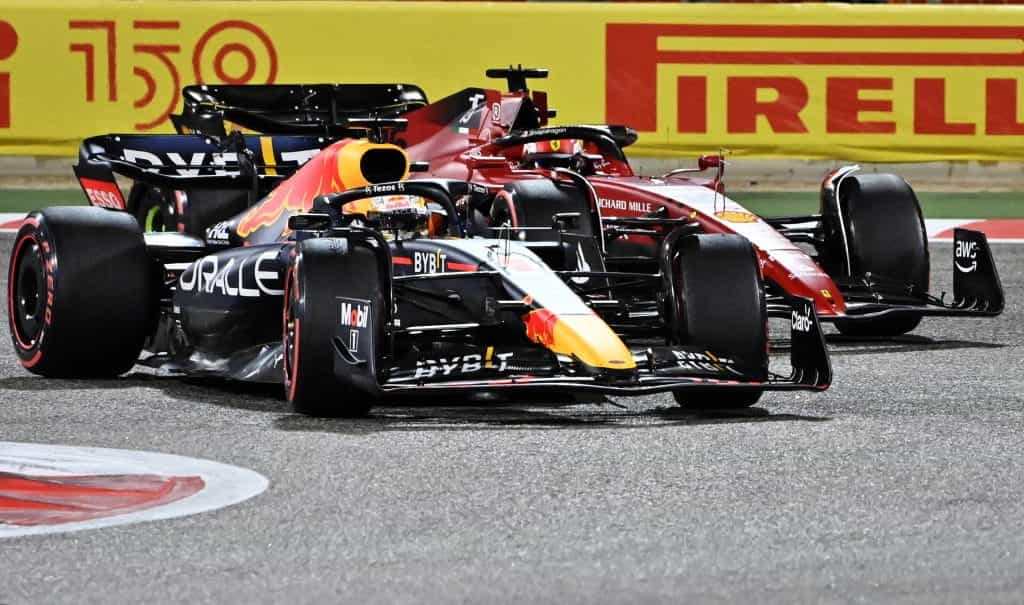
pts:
pixel 309 222
pixel 710 161
pixel 563 221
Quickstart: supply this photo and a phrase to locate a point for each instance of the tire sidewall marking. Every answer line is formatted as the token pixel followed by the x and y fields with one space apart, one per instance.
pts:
pixel 29 356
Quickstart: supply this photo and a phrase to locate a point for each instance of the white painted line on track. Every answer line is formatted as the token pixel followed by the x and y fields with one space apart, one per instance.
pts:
pixel 10 221
pixel 935 226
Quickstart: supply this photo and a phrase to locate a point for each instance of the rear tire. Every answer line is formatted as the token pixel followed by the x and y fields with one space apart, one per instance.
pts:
pixel 80 292
pixel 322 271
pixel 721 305
pixel 533 203
pixel 881 219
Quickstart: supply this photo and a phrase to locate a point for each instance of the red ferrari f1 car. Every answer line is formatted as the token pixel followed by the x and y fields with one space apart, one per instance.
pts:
pixel 864 259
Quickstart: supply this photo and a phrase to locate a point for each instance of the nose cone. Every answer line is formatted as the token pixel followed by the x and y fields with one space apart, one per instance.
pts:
pixel 583 336
pixel 799 275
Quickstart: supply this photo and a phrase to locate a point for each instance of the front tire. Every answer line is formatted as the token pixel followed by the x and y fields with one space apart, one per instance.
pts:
pixel 322 272
pixel 881 220
pixel 80 293
pixel 721 305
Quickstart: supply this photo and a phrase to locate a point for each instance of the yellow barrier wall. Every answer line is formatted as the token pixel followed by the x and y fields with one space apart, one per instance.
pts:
pixel 864 82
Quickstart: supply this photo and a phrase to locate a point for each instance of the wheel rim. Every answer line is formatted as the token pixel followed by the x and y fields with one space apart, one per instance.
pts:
pixel 504 217
pixel 28 298
pixel 290 337
pixel 156 217
pixel 151 219
pixel 682 329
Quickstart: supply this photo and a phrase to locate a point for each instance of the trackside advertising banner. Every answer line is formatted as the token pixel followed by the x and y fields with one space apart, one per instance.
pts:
pixel 862 82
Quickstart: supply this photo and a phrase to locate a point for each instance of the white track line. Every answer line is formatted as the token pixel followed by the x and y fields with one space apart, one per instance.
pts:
pixel 6 218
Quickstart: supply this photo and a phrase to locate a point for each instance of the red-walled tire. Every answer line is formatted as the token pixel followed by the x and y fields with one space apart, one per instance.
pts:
pixel 80 296
pixel 532 203
pixel 322 272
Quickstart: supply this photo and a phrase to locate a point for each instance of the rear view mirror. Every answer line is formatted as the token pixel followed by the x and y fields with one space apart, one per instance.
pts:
pixel 309 222
pixel 563 221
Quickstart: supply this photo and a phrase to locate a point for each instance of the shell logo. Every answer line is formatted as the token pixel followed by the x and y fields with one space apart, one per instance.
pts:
pixel 736 216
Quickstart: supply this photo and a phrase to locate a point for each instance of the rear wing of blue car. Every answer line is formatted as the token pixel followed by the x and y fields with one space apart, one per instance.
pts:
pixel 296 109
pixel 188 162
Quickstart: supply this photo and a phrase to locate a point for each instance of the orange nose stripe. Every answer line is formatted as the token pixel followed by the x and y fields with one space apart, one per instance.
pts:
pixel 583 336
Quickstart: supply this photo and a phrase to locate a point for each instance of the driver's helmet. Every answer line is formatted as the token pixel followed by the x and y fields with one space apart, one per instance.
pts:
pixel 405 216
pixel 556 153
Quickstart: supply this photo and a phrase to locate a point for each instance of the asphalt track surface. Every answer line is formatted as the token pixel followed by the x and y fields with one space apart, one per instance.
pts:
pixel 903 483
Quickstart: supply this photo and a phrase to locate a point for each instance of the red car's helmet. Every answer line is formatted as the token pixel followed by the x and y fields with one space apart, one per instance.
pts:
pixel 550 154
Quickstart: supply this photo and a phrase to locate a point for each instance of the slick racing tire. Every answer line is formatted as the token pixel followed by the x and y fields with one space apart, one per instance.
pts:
pixel 721 305
pixel 881 219
pixel 533 203
pixel 81 292
pixel 322 272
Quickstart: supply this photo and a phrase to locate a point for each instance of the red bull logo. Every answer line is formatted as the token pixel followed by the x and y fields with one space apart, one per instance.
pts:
pixel 319 176
pixel 583 336
pixel 540 327
pixel 335 169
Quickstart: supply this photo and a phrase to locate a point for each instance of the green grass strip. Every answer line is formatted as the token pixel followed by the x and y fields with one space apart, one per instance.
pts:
pixel 25 200
pixel 1006 204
